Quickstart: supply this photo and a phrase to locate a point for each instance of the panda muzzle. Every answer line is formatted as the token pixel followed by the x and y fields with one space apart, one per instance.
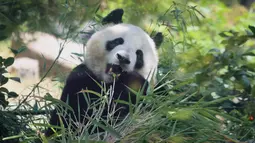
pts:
pixel 113 69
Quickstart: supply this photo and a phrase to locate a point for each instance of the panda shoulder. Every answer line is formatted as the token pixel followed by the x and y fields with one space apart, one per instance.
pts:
pixel 80 73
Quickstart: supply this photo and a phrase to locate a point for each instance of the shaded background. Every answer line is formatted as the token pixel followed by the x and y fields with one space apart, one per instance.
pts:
pixel 206 53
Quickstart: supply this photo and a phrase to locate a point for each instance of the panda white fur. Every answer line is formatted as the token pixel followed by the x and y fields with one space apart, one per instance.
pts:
pixel 121 41
pixel 118 49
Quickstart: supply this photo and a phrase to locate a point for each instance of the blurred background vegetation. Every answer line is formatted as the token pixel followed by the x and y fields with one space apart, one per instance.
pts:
pixel 207 65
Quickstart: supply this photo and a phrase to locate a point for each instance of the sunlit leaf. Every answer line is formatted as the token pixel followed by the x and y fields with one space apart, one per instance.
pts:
pixel 43 137
pixel 190 55
pixel 225 34
pixel 242 39
pixel 181 114
pixel 176 139
pixel 13 137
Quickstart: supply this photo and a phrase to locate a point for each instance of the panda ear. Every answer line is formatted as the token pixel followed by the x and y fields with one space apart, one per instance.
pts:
pixel 158 39
pixel 113 17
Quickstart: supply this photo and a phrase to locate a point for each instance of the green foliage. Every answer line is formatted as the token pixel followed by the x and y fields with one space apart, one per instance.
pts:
pixel 61 18
pixel 220 74
pixel 44 15
pixel 10 126
pixel 4 64
pixel 206 63
pixel 9 123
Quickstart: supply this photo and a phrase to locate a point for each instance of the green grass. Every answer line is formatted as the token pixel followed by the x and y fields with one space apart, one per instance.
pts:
pixel 196 62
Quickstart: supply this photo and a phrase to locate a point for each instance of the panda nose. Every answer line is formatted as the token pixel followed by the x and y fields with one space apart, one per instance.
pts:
pixel 123 60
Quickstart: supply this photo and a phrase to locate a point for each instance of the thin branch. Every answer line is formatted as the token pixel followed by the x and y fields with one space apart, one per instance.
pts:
pixel 45 75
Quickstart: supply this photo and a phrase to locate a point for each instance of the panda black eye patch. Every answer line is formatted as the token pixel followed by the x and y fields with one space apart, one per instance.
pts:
pixel 113 43
pixel 139 59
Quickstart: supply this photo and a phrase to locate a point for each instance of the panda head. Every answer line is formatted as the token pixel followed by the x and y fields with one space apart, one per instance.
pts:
pixel 122 48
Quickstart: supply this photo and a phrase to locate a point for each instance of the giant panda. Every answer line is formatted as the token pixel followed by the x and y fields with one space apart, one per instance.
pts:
pixel 120 57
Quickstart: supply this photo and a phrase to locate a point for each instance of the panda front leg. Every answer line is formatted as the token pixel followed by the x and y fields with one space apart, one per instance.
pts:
pixel 80 78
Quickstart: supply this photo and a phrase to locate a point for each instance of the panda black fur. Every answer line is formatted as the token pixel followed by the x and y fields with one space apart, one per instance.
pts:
pixel 120 49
